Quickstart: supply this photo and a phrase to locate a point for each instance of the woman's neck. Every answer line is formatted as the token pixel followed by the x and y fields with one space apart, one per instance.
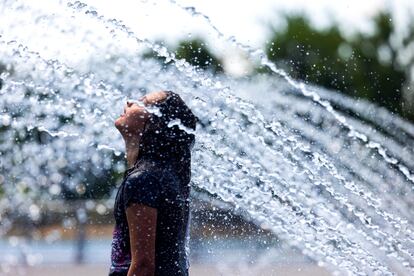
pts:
pixel 132 149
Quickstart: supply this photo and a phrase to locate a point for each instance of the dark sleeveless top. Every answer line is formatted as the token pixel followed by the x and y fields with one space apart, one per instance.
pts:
pixel 153 184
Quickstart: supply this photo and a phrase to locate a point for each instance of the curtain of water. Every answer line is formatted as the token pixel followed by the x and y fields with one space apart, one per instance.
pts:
pixel 310 172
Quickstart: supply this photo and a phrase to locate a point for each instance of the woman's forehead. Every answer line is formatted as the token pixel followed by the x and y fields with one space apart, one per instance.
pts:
pixel 154 97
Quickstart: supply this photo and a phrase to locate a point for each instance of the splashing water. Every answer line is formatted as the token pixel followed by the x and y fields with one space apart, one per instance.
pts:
pixel 338 187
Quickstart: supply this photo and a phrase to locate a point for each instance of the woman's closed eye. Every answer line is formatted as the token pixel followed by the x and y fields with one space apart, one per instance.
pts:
pixel 137 102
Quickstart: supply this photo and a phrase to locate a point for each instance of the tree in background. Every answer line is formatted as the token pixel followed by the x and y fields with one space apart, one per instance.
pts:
pixel 363 66
pixel 406 58
pixel 195 52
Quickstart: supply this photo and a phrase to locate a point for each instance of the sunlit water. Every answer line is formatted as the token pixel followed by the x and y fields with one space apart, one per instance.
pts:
pixel 331 176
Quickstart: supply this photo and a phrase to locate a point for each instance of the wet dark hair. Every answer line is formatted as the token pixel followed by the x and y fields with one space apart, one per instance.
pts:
pixel 170 144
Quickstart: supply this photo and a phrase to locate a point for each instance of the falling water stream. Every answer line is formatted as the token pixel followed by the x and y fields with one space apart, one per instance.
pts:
pixel 329 175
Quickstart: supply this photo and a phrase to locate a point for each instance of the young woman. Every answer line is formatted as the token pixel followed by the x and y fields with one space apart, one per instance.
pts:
pixel 152 204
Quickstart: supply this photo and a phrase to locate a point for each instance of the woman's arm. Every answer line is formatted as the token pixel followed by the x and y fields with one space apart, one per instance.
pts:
pixel 142 223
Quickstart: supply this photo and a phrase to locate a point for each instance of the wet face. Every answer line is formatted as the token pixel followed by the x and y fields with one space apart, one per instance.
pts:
pixel 132 121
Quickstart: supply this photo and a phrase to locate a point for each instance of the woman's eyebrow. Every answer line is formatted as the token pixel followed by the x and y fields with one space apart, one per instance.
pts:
pixel 144 100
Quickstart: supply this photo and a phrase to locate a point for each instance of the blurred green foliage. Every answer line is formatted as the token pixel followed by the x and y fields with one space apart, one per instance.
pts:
pixel 364 65
pixel 194 51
